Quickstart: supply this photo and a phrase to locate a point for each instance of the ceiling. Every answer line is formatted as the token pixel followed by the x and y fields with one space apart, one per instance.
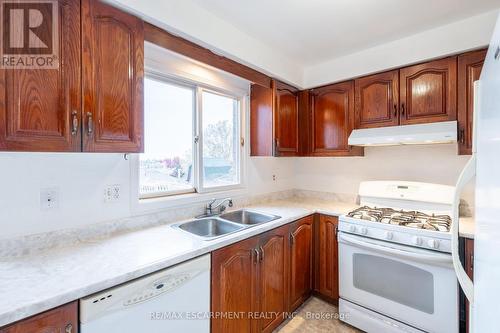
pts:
pixel 314 31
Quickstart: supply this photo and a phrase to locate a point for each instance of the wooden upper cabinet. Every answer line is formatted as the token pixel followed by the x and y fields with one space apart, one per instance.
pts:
pixel 273 278
pixel 286 118
pixel 301 250
pixel 58 320
pixel 377 100
pixel 428 92
pixel 469 70
pixel 261 120
pixel 38 107
pixel 327 269
pixel 333 120
pixel 113 75
pixel 234 286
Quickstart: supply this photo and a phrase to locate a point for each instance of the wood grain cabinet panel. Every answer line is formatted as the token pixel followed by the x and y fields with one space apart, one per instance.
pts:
pixel 251 277
pixel 113 75
pixel 469 70
pixel 377 100
pixel 327 269
pixel 234 286
pixel 428 92
pixel 261 120
pixel 273 277
pixel 469 268
pixel 286 120
pixel 39 106
pixel 63 319
pixel 301 239
pixel 333 120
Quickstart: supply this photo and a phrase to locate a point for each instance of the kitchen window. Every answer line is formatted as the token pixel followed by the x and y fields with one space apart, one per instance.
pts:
pixel 192 139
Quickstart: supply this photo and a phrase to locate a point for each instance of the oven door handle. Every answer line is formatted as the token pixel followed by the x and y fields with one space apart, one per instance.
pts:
pixel 436 259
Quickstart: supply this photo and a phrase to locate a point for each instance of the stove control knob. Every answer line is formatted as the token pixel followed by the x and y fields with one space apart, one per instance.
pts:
pixel 416 240
pixel 388 235
pixel 432 243
pixel 352 228
pixel 363 231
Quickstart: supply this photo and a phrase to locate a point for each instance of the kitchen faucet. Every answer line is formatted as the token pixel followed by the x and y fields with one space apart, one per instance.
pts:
pixel 210 208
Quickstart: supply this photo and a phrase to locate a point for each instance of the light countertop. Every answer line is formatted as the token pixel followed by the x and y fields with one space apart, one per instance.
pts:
pixel 38 282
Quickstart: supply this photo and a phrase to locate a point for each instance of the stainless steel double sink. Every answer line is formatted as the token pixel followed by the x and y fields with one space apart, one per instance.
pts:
pixel 217 226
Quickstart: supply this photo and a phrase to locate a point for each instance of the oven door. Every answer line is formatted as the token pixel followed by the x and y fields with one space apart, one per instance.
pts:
pixel 415 286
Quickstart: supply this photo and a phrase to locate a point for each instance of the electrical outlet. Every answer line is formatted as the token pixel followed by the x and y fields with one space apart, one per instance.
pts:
pixel 112 193
pixel 274 177
pixel 49 199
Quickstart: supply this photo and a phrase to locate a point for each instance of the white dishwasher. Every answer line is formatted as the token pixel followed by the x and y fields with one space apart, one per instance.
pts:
pixel 176 299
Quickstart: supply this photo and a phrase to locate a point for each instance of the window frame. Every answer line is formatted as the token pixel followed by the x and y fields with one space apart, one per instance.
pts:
pixel 197 144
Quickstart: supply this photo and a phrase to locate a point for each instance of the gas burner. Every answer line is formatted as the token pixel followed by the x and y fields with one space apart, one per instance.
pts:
pixel 412 219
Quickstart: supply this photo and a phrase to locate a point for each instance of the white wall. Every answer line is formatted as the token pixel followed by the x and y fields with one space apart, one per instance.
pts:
pixel 473 32
pixel 194 23
pixel 81 180
pixel 434 164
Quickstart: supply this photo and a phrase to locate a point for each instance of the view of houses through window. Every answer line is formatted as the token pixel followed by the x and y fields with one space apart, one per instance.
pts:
pixel 177 159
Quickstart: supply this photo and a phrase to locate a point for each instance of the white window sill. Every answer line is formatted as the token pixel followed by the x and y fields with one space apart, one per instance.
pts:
pixel 151 205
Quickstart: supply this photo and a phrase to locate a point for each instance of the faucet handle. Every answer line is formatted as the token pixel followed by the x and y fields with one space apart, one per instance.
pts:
pixel 211 202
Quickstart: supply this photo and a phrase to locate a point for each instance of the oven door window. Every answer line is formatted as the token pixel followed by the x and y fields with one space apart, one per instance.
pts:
pixel 394 280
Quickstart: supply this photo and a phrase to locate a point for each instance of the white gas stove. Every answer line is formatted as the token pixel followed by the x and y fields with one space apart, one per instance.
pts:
pixel 395 267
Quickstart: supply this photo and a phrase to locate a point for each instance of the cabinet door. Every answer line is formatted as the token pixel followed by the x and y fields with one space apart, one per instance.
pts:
pixel 273 277
pixel 261 120
pixel 286 120
pixel 333 120
pixel 58 320
pixel 377 100
pixel 428 92
pixel 40 108
pixel 300 261
pixel 113 74
pixel 234 286
pixel 328 271
pixel 469 70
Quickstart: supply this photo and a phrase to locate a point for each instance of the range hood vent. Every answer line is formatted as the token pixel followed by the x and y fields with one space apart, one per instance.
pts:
pixel 442 132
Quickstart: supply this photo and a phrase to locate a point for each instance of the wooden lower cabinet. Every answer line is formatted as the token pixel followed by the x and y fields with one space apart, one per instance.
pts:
pixel 273 278
pixel 63 319
pixel 249 282
pixel 326 282
pixel 234 286
pixel 301 251
pixel 469 268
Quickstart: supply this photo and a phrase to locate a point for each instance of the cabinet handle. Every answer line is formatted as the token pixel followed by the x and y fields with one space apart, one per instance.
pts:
pixel 292 239
pixel 257 256
pixel 74 123
pixel 402 109
pixel 462 136
pixel 395 110
pixel 336 231
pixel 261 254
pixel 90 124
pixel 276 147
pixel 68 328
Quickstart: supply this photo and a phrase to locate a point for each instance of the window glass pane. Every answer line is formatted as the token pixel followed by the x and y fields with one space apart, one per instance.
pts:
pixel 220 140
pixel 167 162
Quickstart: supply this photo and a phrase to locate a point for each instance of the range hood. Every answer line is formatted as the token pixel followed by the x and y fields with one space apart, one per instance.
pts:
pixel 441 132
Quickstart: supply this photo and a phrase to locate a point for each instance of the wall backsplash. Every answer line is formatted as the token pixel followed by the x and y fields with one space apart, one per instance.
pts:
pixel 81 179
pixel 426 163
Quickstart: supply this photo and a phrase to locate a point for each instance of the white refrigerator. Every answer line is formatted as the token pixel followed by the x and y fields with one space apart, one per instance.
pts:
pixel 484 164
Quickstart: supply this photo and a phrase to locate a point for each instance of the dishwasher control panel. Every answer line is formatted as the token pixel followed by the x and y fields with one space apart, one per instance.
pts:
pixel 159 287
